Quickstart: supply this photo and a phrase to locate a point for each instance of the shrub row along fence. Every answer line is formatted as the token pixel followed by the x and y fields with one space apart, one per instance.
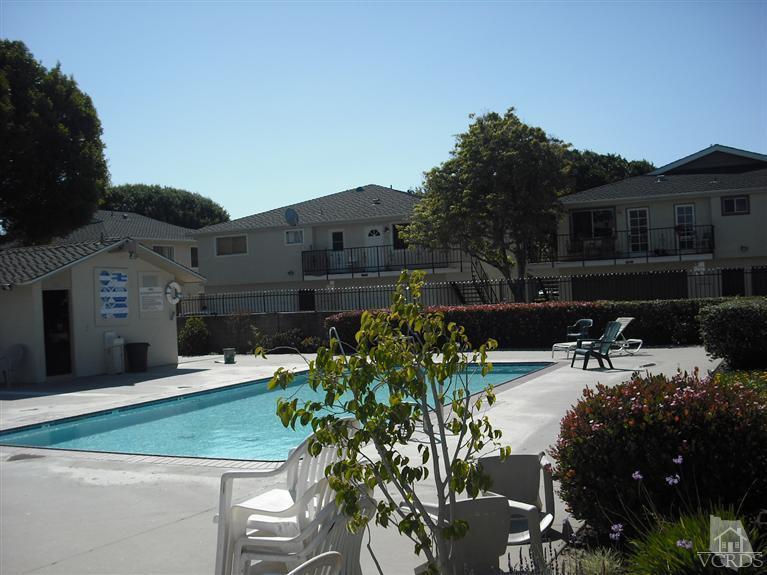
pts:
pixel 539 325
pixel 664 285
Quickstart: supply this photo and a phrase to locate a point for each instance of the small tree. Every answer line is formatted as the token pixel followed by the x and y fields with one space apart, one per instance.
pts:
pixel 410 374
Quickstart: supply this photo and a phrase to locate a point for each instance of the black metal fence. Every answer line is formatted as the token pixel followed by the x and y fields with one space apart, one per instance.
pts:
pixel 377 260
pixel 674 242
pixel 674 284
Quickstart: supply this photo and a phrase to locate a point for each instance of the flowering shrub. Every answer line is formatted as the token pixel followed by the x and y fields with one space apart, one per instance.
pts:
pixel 538 325
pixel 737 332
pixel 676 443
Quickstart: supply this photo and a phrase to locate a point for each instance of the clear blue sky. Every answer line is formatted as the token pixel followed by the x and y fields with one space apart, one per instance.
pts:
pixel 258 105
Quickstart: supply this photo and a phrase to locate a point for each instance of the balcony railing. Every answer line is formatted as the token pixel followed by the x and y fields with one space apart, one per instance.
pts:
pixel 377 260
pixel 676 242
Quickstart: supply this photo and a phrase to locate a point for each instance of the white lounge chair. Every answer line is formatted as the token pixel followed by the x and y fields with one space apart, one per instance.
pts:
pixel 518 478
pixel 278 511
pixel 10 360
pixel 329 563
pixel 630 346
pixel 255 555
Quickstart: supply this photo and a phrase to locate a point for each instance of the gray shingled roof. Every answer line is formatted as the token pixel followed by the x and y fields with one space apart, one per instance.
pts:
pixel 649 186
pixel 24 265
pixel 116 224
pixel 365 202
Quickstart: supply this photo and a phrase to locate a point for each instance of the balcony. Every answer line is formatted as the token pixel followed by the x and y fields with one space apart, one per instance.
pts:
pixel 653 244
pixel 377 261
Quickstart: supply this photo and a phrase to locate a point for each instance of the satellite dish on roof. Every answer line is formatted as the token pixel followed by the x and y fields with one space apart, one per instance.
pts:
pixel 291 216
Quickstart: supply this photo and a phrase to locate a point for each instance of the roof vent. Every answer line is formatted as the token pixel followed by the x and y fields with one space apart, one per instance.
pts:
pixel 377 201
pixel 360 189
pixel 660 178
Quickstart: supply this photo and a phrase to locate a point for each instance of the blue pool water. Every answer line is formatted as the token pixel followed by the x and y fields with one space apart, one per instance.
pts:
pixel 236 422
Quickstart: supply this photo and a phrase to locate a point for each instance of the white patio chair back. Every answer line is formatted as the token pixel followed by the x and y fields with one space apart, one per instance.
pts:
pixel 518 478
pixel 485 542
pixel 329 563
pixel 624 321
pixel 306 470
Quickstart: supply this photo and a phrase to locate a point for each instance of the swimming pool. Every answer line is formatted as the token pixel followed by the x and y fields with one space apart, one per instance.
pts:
pixel 236 422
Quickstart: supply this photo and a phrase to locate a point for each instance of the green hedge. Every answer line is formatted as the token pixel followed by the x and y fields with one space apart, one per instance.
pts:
pixel 737 332
pixel 538 325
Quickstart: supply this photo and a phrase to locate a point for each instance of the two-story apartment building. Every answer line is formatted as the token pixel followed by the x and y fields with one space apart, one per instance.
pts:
pixel 350 238
pixel 707 210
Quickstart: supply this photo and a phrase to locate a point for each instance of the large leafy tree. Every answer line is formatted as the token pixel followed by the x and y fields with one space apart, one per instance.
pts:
pixel 171 205
pixel 52 166
pixel 587 169
pixel 496 197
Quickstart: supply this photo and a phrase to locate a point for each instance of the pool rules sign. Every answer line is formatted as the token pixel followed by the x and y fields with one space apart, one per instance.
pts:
pixel 113 294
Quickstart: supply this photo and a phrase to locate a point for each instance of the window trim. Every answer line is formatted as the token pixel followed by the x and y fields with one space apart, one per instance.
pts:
pixel 285 237
pixel 165 246
pixel 734 199
pixel 395 236
pixel 330 239
pixel 196 250
pixel 591 211
pixel 215 245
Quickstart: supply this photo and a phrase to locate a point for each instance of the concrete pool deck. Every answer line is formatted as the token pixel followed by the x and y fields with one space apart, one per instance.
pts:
pixel 75 512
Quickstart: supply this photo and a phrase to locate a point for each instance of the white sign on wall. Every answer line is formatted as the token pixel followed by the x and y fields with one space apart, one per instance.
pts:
pixel 151 294
pixel 113 294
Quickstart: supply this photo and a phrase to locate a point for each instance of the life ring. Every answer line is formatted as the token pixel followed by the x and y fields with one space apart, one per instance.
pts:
pixel 173 292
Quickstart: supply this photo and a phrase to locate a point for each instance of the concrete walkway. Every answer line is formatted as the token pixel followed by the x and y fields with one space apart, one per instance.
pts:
pixel 70 513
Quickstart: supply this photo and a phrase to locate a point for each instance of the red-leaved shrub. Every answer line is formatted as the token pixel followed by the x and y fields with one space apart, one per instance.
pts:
pixel 675 443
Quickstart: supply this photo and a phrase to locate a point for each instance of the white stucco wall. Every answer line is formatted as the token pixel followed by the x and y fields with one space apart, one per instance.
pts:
pixel 21 321
pixel 21 318
pixel 156 328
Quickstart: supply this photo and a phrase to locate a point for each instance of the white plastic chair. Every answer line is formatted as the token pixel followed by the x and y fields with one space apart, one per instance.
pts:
pixel 329 563
pixel 518 478
pixel 257 555
pixel 10 361
pixel 277 510
pixel 478 551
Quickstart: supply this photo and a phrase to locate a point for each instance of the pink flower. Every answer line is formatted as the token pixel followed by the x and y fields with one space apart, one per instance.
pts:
pixel 637 476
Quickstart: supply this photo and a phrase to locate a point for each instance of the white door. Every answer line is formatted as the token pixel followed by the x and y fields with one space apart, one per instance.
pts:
pixel 685 226
pixel 639 230
pixel 374 256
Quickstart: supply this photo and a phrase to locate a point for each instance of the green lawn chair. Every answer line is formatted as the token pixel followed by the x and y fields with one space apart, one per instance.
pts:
pixel 600 348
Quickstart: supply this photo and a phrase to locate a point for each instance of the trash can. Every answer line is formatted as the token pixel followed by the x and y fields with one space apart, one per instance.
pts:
pixel 115 357
pixel 137 356
pixel 229 354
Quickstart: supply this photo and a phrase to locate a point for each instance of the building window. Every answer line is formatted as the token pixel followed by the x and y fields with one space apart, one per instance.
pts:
pixel 593 224
pixel 337 241
pixel 294 237
pixel 231 245
pixel 194 256
pixel 166 251
pixel 735 206
pixel 399 243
